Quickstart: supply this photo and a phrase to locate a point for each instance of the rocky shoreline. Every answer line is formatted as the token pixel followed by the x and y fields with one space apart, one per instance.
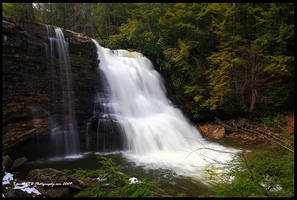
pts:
pixel 46 182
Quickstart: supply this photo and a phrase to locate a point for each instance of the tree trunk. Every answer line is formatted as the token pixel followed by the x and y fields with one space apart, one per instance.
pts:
pixel 253 100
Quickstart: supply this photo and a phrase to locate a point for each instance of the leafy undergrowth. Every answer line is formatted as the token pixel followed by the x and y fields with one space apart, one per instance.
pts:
pixel 83 173
pixel 113 183
pixel 280 122
pixel 265 173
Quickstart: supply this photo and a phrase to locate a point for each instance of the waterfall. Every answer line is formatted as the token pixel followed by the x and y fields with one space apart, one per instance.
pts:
pixel 64 136
pixel 103 132
pixel 156 132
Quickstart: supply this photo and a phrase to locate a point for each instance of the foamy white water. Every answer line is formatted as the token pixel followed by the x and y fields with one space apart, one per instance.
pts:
pixel 158 135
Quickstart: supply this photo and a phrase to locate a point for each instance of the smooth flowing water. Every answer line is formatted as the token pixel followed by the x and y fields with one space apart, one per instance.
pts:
pixel 157 135
pixel 103 131
pixel 64 136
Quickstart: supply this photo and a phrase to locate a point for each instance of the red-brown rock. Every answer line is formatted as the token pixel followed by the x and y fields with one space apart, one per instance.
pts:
pixel 212 131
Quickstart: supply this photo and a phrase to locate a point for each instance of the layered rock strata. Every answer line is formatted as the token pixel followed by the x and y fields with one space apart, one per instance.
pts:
pixel 28 100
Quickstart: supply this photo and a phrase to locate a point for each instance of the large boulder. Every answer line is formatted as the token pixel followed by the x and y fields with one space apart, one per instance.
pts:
pixel 55 192
pixel 19 163
pixel 55 178
pixel 212 131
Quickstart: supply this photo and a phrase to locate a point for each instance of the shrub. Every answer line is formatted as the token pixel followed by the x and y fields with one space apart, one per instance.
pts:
pixel 116 183
pixel 266 173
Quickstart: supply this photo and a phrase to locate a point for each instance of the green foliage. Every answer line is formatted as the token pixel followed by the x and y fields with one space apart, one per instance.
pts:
pixel 226 58
pixel 277 96
pixel 115 183
pixel 18 10
pixel 266 173
pixel 219 55
pixel 276 120
pixel 108 17
pixel 83 173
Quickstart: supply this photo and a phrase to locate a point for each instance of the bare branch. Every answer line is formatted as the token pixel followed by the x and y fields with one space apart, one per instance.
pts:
pixel 208 149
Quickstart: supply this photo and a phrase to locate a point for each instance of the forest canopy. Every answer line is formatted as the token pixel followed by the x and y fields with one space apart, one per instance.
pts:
pixel 221 58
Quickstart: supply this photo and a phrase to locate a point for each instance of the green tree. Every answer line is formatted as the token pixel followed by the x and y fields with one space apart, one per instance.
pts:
pixel 23 11
pixel 219 58
pixel 246 64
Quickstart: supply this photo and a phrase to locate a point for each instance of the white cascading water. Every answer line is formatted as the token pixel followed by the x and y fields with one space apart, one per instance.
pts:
pixel 64 135
pixel 157 133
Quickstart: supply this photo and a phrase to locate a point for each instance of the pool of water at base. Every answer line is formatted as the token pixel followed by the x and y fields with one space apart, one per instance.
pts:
pixel 172 183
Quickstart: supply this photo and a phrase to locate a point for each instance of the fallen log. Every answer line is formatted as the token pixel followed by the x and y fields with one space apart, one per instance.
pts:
pixel 270 139
pixel 258 130
pixel 265 131
pixel 255 126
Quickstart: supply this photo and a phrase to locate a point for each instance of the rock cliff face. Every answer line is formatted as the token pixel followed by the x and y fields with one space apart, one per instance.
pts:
pixel 28 97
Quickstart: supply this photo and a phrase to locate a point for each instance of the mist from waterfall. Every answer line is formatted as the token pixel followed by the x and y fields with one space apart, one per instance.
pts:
pixel 157 133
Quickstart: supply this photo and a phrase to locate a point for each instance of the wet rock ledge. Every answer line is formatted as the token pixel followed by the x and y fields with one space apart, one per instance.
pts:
pixel 28 97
